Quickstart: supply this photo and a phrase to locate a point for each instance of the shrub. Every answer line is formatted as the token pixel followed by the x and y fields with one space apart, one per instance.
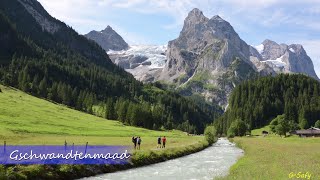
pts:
pixel 237 128
pixel 303 124
pixel 210 134
pixel 231 132
pixel 280 126
pixel 317 124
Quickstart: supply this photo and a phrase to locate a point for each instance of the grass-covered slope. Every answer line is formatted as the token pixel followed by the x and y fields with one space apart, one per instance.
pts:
pixel 25 119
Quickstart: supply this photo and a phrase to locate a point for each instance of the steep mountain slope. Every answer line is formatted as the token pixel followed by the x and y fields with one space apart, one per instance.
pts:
pixel 48 59
pixel 108 39
pixel 57 56
pixel 208 58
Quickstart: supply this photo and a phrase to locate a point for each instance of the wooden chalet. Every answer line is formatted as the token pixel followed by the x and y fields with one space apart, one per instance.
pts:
pixel 311 132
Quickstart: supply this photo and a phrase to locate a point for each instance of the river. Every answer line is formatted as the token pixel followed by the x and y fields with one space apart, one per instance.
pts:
pixel 212 162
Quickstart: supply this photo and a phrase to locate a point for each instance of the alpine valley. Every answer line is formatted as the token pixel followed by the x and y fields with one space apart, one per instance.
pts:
pixel 61 88
pixel 209 59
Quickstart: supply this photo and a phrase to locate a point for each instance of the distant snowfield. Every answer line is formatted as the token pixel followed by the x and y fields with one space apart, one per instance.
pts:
pixel 154 54
pixel 277 62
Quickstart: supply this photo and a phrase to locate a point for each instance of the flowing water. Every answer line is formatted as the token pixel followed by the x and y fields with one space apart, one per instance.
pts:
pixel 212 162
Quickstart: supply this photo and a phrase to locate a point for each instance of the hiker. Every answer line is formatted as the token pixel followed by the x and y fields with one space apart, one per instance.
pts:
pixel 134 140
pixel 139 142
pixel 159 142
pixel 164 142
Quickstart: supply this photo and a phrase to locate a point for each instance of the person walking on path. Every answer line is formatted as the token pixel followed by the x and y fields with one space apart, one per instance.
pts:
pixel 134 140
pixel 164 139
pixel 139 142
pixel 159 142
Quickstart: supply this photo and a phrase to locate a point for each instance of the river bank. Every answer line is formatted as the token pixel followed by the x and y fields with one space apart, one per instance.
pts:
pixel 210 163
pixel 139 158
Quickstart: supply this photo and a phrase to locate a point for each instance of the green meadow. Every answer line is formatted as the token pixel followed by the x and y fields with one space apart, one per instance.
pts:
pixel 273 157
pixel 27 120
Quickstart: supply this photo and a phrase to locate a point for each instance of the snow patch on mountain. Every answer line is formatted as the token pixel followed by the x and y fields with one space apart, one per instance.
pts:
pixel 275 63
pixel 260 48
pixel 154 56
pixel 292 50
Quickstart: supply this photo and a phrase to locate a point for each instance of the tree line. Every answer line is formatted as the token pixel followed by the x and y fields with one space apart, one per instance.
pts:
pixel 254 104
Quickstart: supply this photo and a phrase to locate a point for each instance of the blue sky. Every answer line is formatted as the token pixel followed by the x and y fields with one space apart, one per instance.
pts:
pixel 159 21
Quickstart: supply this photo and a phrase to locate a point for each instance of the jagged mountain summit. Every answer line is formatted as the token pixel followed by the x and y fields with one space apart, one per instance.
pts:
pixel 209 59
pixel 283 58
pixel 108 39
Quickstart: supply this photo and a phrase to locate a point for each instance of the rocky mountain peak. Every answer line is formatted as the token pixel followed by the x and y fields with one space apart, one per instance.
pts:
pixel 196 14
pixel 270 50
pixel 297 48
pixel 284 58
pixel 269 42
pixel 108 39
pixel 108 28
pixel 195 17
pixel 217 18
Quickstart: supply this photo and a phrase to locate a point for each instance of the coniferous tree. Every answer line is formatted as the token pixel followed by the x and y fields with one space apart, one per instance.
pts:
pixel 43 87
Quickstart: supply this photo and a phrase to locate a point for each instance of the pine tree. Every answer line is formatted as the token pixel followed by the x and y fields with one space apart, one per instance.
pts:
pixel 43 87
pixel 35 82
pixel 109 110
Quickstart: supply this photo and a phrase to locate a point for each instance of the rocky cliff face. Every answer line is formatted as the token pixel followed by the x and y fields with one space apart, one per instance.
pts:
pixel 108 39
pixel 208 58
pixel 283 58
pixel 40 16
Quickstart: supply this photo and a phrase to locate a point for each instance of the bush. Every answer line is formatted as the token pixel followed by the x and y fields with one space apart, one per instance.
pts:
pixel 303 124
pixel 210 134
pixel 237 128
pixel 280 126
pixel 317 124
pixel 231 132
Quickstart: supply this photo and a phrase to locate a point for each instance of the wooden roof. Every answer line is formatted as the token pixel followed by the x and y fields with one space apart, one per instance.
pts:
pixel 310 131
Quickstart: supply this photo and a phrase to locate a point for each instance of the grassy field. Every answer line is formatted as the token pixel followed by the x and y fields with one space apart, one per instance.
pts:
pixel 273 157
pixel 27 120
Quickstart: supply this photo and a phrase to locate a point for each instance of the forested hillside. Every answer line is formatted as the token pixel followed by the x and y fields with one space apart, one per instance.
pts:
pixel 46 58
pixel 257 102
